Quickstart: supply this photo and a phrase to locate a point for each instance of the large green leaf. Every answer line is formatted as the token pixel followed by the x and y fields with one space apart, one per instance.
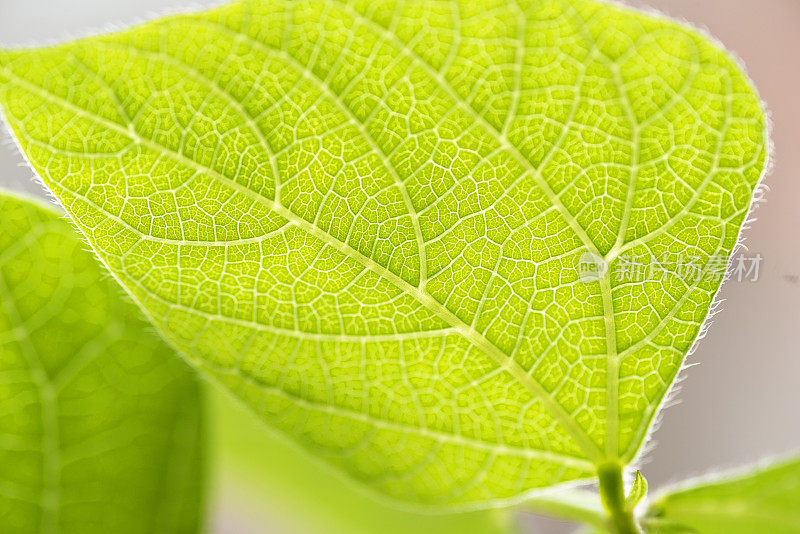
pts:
pixel 762 499
pixel 99 420
pixel 365 218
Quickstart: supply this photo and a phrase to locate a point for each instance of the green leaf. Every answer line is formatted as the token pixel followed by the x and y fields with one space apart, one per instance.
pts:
pixel 99 421
pixel 366 218
pixel 637 493
pixel 760 499
pixel 263 479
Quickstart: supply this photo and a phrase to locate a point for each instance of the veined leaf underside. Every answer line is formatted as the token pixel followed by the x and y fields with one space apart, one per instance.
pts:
pixel 365 218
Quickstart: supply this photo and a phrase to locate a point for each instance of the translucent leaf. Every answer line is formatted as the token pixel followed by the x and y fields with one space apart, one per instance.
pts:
pixel 761 499
pixel 638 491
pixel 367 219
pixel 99 421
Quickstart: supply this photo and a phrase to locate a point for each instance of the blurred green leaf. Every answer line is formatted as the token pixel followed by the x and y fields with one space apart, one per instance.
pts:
pixel 99 420
pixel 263 478
pixel 763 499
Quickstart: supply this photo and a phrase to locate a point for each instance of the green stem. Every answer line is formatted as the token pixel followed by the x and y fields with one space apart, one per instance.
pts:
pixel 612 494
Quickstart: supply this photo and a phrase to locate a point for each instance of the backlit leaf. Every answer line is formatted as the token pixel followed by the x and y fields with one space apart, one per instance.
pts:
pixel 367 219
pixel 638 491
pixel 99 420
pixel 761 499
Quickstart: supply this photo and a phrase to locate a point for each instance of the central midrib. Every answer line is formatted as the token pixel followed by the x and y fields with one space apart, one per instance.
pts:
pixel 470 334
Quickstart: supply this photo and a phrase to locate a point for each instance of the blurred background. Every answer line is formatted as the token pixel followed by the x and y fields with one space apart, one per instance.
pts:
pixel 740 402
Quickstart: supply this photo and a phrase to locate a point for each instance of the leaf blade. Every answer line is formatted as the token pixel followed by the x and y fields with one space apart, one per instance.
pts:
pixel 272 122
pixel 101 426
pixel 756 499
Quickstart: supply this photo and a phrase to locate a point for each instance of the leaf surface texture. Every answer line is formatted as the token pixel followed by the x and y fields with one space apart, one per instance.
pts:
pixel 365 218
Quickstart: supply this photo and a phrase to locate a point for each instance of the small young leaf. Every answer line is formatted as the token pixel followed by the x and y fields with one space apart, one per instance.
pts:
pixel 763 499
pixel 99 420
pixel 366 218
pixel 637 493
